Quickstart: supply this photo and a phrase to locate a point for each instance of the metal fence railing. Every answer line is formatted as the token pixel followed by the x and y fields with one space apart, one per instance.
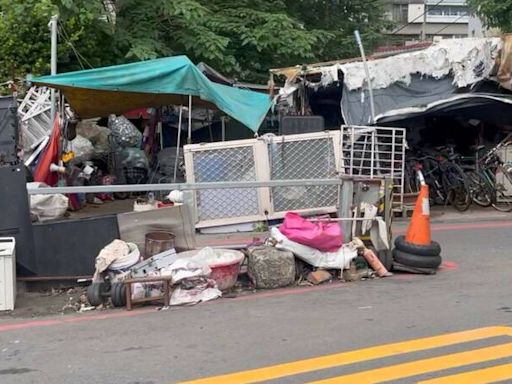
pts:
pixel 261 179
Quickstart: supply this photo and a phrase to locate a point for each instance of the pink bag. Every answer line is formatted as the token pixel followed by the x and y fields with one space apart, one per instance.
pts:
pixel 326 237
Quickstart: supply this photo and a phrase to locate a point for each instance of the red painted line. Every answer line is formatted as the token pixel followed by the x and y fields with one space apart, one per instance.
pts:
pixel 29 324
pixel 447 265
pixel 72 319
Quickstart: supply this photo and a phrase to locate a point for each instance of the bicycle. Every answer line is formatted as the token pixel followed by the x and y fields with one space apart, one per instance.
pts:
pixel 488 168
pixel 445 178
pixel 481 190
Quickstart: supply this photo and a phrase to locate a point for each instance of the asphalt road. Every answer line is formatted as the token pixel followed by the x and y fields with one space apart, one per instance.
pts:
pixel 231 335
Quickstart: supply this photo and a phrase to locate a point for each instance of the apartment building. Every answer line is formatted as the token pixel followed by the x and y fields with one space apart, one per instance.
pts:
pixel 432 19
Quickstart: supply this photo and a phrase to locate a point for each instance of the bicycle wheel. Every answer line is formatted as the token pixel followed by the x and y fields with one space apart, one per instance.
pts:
pixel 502 202
pixel 481 192
pixel 456 187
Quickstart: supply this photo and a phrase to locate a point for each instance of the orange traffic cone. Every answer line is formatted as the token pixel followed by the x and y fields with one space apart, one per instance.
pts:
pixel 419 229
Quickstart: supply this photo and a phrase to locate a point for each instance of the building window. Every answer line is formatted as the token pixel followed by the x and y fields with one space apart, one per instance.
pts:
pixel 400 13
pixel 448 10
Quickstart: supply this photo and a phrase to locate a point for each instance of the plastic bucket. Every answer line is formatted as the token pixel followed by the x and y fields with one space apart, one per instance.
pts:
pixel 225 274
pixel 158 242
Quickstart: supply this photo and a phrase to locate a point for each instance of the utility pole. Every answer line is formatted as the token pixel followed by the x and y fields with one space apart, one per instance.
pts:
pixel 367 73
pixel 424 24
pixel 53 66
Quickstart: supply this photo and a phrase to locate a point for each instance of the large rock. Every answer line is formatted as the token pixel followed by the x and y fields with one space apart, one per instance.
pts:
pixel 269 267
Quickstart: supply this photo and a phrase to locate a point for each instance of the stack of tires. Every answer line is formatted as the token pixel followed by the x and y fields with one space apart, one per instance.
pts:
pixel 417 256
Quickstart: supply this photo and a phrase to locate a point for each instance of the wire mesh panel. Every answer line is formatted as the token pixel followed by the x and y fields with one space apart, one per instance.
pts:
pixel 303 159
pixel 308 156
pixel 375 152
pixel 227 164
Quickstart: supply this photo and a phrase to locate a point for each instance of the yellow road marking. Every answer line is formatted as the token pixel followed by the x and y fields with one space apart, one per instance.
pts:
pixel 352 357
pixel 421 367
pixel 481 376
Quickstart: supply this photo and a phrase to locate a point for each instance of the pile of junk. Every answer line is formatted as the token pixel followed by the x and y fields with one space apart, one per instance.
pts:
pixel 126 125
pixel 298 251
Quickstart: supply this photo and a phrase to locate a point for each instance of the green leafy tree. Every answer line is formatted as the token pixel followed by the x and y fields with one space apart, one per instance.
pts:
pixel 494 13
pixel 25 35
pixel 242 38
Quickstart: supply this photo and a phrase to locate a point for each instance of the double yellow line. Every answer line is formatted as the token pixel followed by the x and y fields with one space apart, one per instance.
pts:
pixel 394 372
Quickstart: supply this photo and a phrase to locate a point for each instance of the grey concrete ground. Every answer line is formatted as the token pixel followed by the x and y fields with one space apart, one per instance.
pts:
pixel 228 335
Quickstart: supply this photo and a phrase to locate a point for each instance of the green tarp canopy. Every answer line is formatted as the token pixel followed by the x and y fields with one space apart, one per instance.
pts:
pixel 154 83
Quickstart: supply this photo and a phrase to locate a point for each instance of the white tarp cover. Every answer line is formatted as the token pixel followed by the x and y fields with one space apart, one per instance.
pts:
pixel 468 60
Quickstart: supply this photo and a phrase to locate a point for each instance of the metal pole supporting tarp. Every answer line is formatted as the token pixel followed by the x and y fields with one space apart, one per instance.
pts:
pixel 367 72
pixel 53 63
pixel 223 122
pixel 189 140
pixel 178 144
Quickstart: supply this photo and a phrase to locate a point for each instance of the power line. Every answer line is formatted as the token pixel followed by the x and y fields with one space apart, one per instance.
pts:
pixel 417 17
pixel 78 55
pixel 450 23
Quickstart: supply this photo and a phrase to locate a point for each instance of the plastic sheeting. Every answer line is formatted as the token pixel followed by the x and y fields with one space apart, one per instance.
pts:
pixel 330 260
pixel 154 83
pixel 416 79
pixel 467 60
pixel 355 105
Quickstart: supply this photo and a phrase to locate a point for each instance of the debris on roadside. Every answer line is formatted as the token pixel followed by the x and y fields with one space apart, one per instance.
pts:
pixel 319 276
pixel 269 267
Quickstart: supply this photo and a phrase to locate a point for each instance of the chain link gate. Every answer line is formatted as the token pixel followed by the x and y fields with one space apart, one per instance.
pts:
pixel 308 158
pixel 305 156
pixel 370 152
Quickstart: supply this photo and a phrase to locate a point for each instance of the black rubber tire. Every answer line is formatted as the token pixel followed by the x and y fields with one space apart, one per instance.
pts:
pixel 455 184
pixel 415 261
pixel 113 295
pixel 118 295
pixel 94 294
pixel 433 249
pixel 481 193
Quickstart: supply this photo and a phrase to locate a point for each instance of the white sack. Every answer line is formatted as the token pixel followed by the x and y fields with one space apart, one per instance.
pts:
pixel 328 260
pixel 47 207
